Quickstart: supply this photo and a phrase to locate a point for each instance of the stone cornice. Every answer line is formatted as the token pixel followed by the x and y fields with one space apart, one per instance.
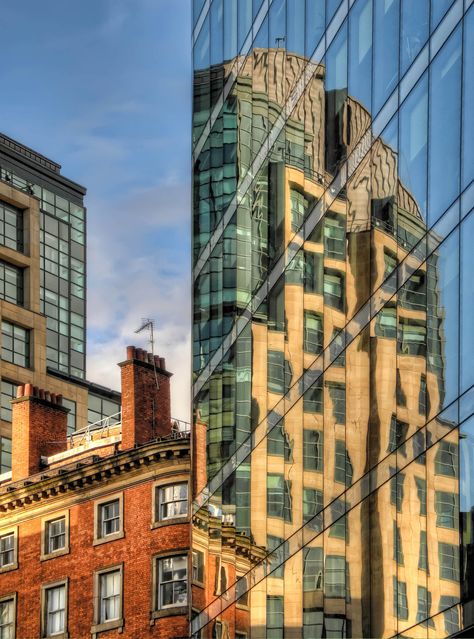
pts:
pixel 87 472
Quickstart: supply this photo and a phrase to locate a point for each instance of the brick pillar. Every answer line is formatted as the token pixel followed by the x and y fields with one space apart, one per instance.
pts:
pixel 146 401
pixel 199 467
pixel 39 428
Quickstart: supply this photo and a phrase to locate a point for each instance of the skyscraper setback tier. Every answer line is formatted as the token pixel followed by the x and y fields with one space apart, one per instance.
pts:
pixel 333 304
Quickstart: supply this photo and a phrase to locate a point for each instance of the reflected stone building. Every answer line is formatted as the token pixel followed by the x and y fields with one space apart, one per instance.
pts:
pixel 333 299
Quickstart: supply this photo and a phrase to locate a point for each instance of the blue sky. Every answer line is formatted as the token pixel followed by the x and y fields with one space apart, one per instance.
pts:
pixel 104 88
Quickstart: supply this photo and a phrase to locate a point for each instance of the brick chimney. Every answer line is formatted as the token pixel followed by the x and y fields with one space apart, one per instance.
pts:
pixel 199 467
pixel 39 428
pixel 146 401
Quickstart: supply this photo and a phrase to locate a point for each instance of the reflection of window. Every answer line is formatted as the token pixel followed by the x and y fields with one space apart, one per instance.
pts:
pixel 313 398
pixel 299 206
pixel 15 344
pixel 172 501
pixel 397 436
pixel 413 292
pixel 275 618
pixel 448 561
pixel 396 489
pixel 423 397
pixel 338 528
pixel 172 581
pixel 7 617
pixel 447 509
pixel 198 566
pixel 383 213
pixel 312 449
pixel 312 569
pixel 446 460
pixel 278 548
pixel 337 393
pixel 423 556
pixel 421 490
pixel 386 323
pixel 342 464
pixel 312 505
pixel 334 236
pixel 5 455
pixel 313 332
pixel 400 601
pixel 8 393
pixel 424 607
pixel 390 261
pixel 451 616
pixel 419 447
pixel 221 577
pixel 279 373
pixel 279 497
pixel 397 545
pixel 313 272
pixel 278 442
pixel 411 337
pixel 335 576
pixel 401 397
pixel 337 346
pixel 334 289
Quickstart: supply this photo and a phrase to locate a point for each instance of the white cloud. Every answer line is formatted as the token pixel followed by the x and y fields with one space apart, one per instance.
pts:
pixel 133 274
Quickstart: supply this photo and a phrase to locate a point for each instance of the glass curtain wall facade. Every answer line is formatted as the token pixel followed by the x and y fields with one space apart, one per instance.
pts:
pixel 333 375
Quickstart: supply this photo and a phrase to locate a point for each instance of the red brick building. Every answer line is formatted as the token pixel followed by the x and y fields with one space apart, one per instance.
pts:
pixel 94 529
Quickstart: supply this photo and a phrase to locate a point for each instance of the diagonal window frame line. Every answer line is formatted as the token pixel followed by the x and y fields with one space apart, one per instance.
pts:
pixel 323 361
pixel 450 21
pixel 287 109
pixel 366 485
pixel 234 72
pixel 384 115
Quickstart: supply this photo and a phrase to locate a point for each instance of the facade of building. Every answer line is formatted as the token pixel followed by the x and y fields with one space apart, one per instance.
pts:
pixel 94 528
pixel 42 290
pixel 332 327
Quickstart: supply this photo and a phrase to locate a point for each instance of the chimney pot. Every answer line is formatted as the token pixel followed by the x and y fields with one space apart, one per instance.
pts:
pixel 162 363
pixel 130 352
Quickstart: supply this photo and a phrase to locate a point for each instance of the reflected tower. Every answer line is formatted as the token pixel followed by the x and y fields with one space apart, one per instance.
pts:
pixel 332 362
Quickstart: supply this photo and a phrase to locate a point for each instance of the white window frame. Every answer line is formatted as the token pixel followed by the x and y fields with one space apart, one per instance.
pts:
pixel 46 551
pixel 45 590
pixel 100 624
pixel 7 532
pixel 99 536
pixel 11 599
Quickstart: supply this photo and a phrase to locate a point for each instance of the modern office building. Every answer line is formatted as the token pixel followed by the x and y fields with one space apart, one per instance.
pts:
pixel 43 290
pixel 333 375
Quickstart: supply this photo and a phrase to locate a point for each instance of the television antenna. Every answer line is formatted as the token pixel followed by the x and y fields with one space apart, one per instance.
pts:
pixel 148 324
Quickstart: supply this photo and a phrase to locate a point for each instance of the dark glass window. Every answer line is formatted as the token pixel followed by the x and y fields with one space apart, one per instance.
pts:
pixel 198 566
pixel 447 509
pixel 11 227
pixel 400 601
pixel 312 505
pixel 8 393
pixel 299 206
pixel 451 616
pixel 334 289
pixel 342 464
pixel 100 408
pixel 446 460
pixel 424 607
pixel 335 576
pixel 11 283
pixel 422 396
pixel 397 545
pixel 276 372
pixel 279 497
pixel 386 323
pixel 275 617
pixel 337 393
pixel 278 442
pixel 313 332
pixel 396 490
pixel 5 455
pixel 401 397
pixel 312 569
pixel 338 528
pixel 421 491
pixel 312 450
pixel 313 398
pixel 448 555
pixel 71 416
pixel 15 344
pixel 419 447
pixel 313 272
pixel 279 550
pixel 334 236
pixel 398 433
pixel 423 555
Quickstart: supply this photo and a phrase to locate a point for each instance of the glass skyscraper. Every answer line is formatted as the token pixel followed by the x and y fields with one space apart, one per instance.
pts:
pixel 333 319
